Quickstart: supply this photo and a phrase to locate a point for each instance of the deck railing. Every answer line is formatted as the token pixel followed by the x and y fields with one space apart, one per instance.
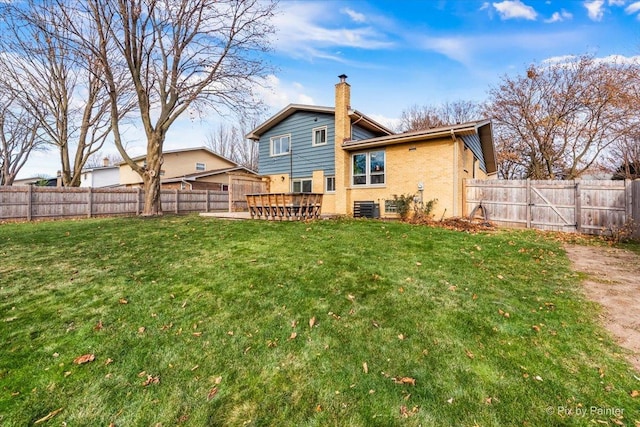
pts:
pixel 285 206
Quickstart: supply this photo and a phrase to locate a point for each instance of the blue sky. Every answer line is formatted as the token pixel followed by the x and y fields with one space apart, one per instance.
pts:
pixel 402 53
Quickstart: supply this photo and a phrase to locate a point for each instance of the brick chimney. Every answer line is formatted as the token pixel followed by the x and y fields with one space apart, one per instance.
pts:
pixel 342 134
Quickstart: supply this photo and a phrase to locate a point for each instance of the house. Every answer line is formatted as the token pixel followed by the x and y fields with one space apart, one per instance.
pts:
pixel 107 175
pixel 191 169
pixel 351 158
pixel 37 181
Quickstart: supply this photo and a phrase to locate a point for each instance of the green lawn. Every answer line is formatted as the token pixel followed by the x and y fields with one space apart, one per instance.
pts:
pixel 207 322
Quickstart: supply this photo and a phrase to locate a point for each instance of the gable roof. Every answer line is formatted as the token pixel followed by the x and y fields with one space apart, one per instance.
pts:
pixel 289 110
pixel 195 176
pixel 482 129
pixel 181 150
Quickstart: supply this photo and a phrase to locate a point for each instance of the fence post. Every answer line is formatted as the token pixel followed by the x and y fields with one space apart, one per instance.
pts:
pixel 29 201
pixel 138 200
pixel 635 208
pixel 177 210
pixel 528 202
pixel 578 211
pixel 206 207
pixel 89 201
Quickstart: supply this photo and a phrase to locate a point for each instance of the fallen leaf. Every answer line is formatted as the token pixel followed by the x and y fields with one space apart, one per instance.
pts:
pixel 351 297
pixel 197 334
pixel 401 337
pixel 318 408
pixel 488 401
pixel 293 335
pixel 320 262
pixel 48 416
pixel 151 380
pixel 230 333
pixel 450 400
pixel 194 368
pixel 312 322
pixel 123 301
pixel 500 312
pixel 536 328
pixel 635 393
pixel 98 326
pixel 418 264
pixel 537 378
pixel 108 361
pixel 218 380
pixel 375 324
pixel 453 288
pixel 474 297
pixel 500 276
pixel 212 393
pixel 365 367
pixel 184 304
pixel 405 380
pixel 507 315
pixel 141 329
pixel 294 323
pixel 469 354
pixel 86 358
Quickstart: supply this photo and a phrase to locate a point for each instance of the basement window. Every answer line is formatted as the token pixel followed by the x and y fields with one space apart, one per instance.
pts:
pixel 303 185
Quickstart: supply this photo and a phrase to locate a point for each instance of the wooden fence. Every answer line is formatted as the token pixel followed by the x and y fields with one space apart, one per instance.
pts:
pixel 30 203
pixel 591 207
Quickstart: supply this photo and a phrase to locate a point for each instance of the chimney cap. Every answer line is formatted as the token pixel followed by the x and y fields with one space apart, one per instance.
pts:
pixel 343 78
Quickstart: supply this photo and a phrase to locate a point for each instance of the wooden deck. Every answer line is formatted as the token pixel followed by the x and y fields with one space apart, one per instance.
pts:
pixel 285 206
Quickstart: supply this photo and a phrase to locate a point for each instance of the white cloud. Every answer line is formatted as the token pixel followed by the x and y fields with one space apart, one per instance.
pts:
pixel 617 2
pixel 514 9
pixel 595 9
pixel 485 6
pixel 355 16
pixel 633 8
pixel 303 31
pixel 389 122
pixel 277 94
pixel 563 15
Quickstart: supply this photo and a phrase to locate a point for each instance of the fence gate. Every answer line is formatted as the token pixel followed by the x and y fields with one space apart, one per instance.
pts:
pixel 552 206
pixel 240 187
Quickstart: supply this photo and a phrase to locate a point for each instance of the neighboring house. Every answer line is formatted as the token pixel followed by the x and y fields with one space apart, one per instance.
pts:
pixel 193 169
pixel 106 175
pixel 37 181
pixel 350 158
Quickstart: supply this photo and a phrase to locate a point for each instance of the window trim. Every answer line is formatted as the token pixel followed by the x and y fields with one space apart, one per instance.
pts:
pixel 313 136
pixel 367 171
pixel 301 181
pixel 279 138
pixel 326 183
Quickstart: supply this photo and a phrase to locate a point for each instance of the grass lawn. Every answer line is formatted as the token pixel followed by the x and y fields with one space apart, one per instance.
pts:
pixel 334 323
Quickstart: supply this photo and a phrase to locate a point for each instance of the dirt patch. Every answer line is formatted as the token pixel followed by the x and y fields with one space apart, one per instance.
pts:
pixel 614 283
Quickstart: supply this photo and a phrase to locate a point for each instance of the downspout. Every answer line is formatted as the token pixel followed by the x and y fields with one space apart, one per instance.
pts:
pixel 455 173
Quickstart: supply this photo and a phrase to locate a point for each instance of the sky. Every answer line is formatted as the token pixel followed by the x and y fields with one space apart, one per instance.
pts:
pixel 397 54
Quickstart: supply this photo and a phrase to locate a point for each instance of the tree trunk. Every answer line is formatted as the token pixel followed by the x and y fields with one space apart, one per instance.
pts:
pixel 152 204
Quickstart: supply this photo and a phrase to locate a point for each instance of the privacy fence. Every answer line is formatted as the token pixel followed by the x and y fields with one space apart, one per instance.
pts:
pixel 591 207
pixel 32 203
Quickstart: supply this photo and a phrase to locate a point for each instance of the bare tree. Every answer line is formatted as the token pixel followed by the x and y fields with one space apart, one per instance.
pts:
pixel 556 121
pixel 429 116
pixel 19 136
pixel 178 55
pixel 230 142
pixel 60 84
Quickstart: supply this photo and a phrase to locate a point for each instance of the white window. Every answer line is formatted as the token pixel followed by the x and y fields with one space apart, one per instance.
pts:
pixel 303 185
pixel 319 136
pixel 280 145
pixel 368 168
pixel 200 166
pixel 330 184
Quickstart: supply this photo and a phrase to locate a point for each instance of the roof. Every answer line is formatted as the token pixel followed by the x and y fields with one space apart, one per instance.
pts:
pixel 195 176
pixel 181 150
pixel 289 110
pixel 482 128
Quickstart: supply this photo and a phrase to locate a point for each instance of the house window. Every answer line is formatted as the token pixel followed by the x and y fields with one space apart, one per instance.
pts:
pixel 319 136
pixel 368 168
pixel 225 187
pixel 330 184
pixel 301 185
pixel 280 145
pixel 200 166
pixel 390 206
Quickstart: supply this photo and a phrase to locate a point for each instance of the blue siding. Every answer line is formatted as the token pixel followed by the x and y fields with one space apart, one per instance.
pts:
pixel 358 134
pixel 306 157
pixel 472 142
